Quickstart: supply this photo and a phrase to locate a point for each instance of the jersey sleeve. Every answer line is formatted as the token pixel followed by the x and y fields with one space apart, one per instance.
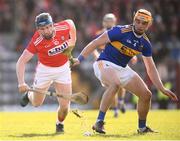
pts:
pixel 147 49
pixel 114 33
pixel 31 47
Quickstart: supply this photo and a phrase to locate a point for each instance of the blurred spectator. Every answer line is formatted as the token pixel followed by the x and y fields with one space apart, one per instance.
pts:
pixel 6 16
pixel 87 16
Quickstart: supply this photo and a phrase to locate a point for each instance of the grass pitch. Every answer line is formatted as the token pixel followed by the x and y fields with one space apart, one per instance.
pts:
pixel 41 126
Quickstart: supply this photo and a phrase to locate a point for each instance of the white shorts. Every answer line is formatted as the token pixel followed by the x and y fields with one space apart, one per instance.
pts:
pixel 46 75
pixel 124 74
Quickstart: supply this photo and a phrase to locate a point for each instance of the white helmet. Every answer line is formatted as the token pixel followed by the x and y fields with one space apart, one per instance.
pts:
pixel 109 16
pixel 109 20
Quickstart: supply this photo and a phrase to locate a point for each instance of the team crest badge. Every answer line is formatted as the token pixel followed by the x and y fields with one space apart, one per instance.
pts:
pixel 62 38
pixel 140 48
pixel 56 43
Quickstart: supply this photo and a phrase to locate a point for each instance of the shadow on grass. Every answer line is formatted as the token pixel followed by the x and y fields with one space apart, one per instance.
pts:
pixel 34 135
pixel 116 135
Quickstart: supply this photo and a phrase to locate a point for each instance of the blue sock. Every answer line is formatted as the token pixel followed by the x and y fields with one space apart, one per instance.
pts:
pixel 115 109
pixel 142 123
pixel 120 98
pixel 101 116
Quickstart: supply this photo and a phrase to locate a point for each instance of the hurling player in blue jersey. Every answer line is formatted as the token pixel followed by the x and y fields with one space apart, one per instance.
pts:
pixel 109 21
pixel 122 43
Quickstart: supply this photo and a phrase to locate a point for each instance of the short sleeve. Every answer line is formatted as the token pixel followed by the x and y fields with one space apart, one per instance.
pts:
pixel 114 33
pixel 31 47
pixel 147 49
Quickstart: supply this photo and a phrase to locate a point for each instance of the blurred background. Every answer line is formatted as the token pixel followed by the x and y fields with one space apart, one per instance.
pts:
pixel 17 27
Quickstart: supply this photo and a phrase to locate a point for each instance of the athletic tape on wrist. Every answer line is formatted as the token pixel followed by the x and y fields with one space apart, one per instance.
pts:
pixel 81 58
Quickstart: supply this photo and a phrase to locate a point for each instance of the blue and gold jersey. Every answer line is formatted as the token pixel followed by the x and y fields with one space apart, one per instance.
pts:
pixel 124 45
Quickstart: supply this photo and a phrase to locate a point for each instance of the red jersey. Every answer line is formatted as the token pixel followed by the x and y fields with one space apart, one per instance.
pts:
pixel 49 52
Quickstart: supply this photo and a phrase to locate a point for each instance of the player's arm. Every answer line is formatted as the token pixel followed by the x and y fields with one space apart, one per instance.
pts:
pixel 95 54
pixel 101 40
pixel 20 69
pixel 72 40
pixel 134 60
pixel 113 34
pixel 155 78
pixel 72 33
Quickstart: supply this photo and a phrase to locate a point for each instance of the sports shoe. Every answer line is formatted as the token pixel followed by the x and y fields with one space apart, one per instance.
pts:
pixel 99 127
pixel 24 100
pixel 146 130
pixel 59 128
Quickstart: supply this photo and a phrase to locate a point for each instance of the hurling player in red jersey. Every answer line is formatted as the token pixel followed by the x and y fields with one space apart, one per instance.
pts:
pixel 52 43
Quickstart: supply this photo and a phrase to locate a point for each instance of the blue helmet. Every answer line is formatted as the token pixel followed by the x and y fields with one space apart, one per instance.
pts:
pixel 43 19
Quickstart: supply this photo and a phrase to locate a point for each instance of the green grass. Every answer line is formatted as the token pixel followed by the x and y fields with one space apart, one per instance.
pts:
pixel 41 126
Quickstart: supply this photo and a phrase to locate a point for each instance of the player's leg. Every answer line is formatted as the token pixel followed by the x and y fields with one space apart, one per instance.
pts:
pixel 114 105
pixel 63 84
pixel 64 105
pixel 106 100
pixel 112 84
pixel 121 97
pixel 144 99
pixel 42 81
pixel 36 99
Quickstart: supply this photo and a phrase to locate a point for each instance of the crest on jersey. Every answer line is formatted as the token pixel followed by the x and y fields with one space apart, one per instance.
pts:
pixel 140 48
pixel 46 46
pixel 62 38
pixel 56 42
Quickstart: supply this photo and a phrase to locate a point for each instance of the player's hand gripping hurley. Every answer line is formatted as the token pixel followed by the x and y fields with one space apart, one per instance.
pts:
pixel 79 97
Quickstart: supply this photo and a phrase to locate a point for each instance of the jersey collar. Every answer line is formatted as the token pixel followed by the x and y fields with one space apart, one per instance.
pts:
pixel 138 36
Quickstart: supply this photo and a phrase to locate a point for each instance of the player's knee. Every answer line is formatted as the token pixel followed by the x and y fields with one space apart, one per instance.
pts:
pixel 64 110
pixel 148 95
pixel 145 96
pixel 114 88
pixel 64 107
pixel 115 84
